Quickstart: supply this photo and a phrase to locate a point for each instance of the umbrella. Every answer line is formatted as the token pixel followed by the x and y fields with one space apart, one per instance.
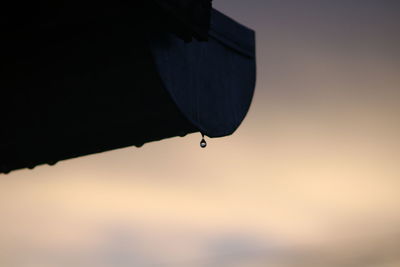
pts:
pixel 79 79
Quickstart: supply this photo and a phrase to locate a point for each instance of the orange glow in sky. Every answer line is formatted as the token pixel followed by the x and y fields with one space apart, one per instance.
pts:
pixel 311 178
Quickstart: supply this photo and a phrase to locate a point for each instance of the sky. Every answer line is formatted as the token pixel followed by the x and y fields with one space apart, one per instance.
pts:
pixel 311 178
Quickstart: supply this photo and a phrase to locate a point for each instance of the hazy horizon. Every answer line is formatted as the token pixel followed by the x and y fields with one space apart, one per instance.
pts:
pixel 311 178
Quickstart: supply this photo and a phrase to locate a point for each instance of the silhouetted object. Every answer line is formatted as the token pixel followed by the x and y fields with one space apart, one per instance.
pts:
pixel 203 143
pixel 78 79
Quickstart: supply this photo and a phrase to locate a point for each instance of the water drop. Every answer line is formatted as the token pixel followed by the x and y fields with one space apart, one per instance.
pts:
pixel 4 169
pixel 203 142
pixel 31 166
pixel 52 162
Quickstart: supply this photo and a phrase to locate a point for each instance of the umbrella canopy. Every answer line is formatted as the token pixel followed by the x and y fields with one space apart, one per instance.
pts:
pixel 75 83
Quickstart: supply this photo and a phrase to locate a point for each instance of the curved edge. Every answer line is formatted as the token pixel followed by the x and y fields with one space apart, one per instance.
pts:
pixel 159 48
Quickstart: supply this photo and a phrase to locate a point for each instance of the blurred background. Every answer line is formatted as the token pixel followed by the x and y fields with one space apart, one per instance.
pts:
pixel 311 178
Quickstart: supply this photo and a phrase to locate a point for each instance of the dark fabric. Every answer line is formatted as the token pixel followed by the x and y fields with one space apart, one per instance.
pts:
pixel 69 89
pixel 211 82
pixel 75 82
pixel 187 19
pixel 190 18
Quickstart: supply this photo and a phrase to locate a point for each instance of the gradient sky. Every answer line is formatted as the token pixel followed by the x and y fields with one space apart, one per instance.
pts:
pixel 312 177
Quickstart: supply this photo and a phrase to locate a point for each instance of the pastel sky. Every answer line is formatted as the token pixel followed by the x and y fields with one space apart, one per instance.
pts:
pixel 311 178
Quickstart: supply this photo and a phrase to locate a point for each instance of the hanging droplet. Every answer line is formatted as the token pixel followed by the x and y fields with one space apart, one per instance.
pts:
pixel 52 162
pixel 4 169
pixel 203 142
pixel 31 166
pixel 139 145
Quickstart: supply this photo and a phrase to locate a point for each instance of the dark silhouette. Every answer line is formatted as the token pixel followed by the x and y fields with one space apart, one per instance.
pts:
pixel 81 77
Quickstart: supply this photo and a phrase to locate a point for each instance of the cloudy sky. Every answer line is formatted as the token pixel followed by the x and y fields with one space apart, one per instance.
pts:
pixel 312 177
